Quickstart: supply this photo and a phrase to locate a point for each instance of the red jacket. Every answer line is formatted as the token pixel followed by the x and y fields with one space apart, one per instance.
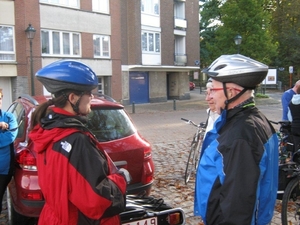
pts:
pixel 79 184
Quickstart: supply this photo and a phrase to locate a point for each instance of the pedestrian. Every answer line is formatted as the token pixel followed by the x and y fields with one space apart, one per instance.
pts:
pixel 211 111
pixel 294 117
pixel 79 182
pixel 8 133
pixel 286 98
pixel 237 176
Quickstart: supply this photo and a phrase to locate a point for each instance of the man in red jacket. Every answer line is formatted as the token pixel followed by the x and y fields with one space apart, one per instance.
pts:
pixel 79 183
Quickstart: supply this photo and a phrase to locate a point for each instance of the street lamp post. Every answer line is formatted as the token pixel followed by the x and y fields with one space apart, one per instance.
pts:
pixel 238 41
pixel 291 70
pixel 30 32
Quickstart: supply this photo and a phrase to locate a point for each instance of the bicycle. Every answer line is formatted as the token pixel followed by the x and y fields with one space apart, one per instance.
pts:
pixel 195 150
pixel 289 176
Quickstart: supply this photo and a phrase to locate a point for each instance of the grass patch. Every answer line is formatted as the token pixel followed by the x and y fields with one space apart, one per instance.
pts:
pixel 259 95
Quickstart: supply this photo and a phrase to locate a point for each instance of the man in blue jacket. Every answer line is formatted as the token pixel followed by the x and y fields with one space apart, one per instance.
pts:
pixel 237 176
pixel 286 99
pixel 8 133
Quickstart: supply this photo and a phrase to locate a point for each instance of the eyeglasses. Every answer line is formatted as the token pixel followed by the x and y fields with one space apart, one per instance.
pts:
pixel 213 90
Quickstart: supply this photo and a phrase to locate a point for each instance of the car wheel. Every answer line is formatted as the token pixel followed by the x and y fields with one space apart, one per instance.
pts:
pixel 15 218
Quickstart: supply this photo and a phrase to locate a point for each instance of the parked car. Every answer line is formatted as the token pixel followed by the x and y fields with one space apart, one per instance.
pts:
pixel 192 86
pixel 113 128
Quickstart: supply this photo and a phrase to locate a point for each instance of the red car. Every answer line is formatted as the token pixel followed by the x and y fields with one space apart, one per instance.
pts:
pixel 192 86
pixel 112 127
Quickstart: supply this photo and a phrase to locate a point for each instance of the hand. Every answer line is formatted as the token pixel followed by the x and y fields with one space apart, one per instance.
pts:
pixel 3 125
pixel 126 175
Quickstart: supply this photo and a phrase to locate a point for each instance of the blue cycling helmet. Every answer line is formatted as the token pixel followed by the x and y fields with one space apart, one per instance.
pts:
pixel 67 74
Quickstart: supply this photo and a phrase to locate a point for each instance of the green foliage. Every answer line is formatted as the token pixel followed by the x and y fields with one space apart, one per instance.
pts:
pixel 248 18
pixel 260 95
pixel 209 12
pixel 285 28
pixel 270 30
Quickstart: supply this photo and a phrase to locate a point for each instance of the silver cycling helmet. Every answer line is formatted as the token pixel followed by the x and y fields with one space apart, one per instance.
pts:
pixel 237 69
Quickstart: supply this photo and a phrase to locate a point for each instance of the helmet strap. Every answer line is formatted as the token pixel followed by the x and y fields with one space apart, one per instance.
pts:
pixel 74 107
pixel 228 101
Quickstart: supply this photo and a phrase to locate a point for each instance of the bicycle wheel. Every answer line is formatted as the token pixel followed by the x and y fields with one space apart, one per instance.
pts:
pixel 192 162
pixel 197 154
pixel 290 210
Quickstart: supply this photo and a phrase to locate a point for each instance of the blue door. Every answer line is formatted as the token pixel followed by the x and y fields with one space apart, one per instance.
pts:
pixel 138 87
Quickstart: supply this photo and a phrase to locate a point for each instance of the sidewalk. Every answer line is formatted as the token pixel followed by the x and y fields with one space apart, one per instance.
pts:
pixel 197 101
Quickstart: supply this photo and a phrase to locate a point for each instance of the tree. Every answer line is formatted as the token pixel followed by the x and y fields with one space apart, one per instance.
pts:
pixel 248 18
pixel 210 16
pixel 286 31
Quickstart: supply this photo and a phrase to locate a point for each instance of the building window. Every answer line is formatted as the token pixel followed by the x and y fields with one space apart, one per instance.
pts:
pixel 101 46
pixel 101 6
pixel 150 6
pixel 100 85
pixel 60 43
pixel 150 42
pixel 67 3
pixel 179 10
pixel 180 45
pixel 7 50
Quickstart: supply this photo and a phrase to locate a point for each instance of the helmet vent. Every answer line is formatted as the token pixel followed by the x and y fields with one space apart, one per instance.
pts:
pixel 220 67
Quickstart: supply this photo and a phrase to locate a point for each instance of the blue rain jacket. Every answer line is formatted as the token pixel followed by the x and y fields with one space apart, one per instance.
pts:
pixel 6 142
pixel 237 175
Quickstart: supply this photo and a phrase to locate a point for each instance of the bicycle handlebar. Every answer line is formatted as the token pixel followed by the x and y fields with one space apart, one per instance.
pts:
pixel 271 121
pixel 282 122
pixel 189 122
pixel 186 120
pixel 202 125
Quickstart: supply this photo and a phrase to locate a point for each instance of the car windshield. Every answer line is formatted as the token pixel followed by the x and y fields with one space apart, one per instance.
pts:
pixel 109 124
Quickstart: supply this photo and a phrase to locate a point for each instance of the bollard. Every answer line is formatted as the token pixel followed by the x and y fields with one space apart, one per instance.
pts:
pixel 174 104
pixel 133 107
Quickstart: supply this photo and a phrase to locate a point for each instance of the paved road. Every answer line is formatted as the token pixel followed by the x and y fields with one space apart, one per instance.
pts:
pixel 170 137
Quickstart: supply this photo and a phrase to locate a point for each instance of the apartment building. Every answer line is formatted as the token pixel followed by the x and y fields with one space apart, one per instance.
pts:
pixel 141 50
pixel 160 39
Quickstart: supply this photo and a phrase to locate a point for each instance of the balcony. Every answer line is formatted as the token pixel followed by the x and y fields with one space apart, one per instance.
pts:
pixel 180 23
pixel 180 59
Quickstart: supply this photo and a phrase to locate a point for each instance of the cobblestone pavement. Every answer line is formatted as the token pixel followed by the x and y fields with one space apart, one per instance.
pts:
pixel 170 137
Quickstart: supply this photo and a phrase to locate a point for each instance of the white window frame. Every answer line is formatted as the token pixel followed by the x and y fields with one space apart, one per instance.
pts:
pixel 74 51
pixel 6 54
pixel 100 85
pixel 179 10
pixel 66 3
pixel 150 7
pixel 151 42
pixel 180 45
pixel 101 6
pixel 99 46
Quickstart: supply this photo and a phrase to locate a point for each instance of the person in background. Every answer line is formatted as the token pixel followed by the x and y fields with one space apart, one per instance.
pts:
pixel 8 133
pixel 237 176
pixel 294 117
pixel 211 111
pixel 286 98
pixel 78 180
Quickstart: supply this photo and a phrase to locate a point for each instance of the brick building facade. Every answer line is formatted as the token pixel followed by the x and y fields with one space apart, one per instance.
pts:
pixel 141 50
